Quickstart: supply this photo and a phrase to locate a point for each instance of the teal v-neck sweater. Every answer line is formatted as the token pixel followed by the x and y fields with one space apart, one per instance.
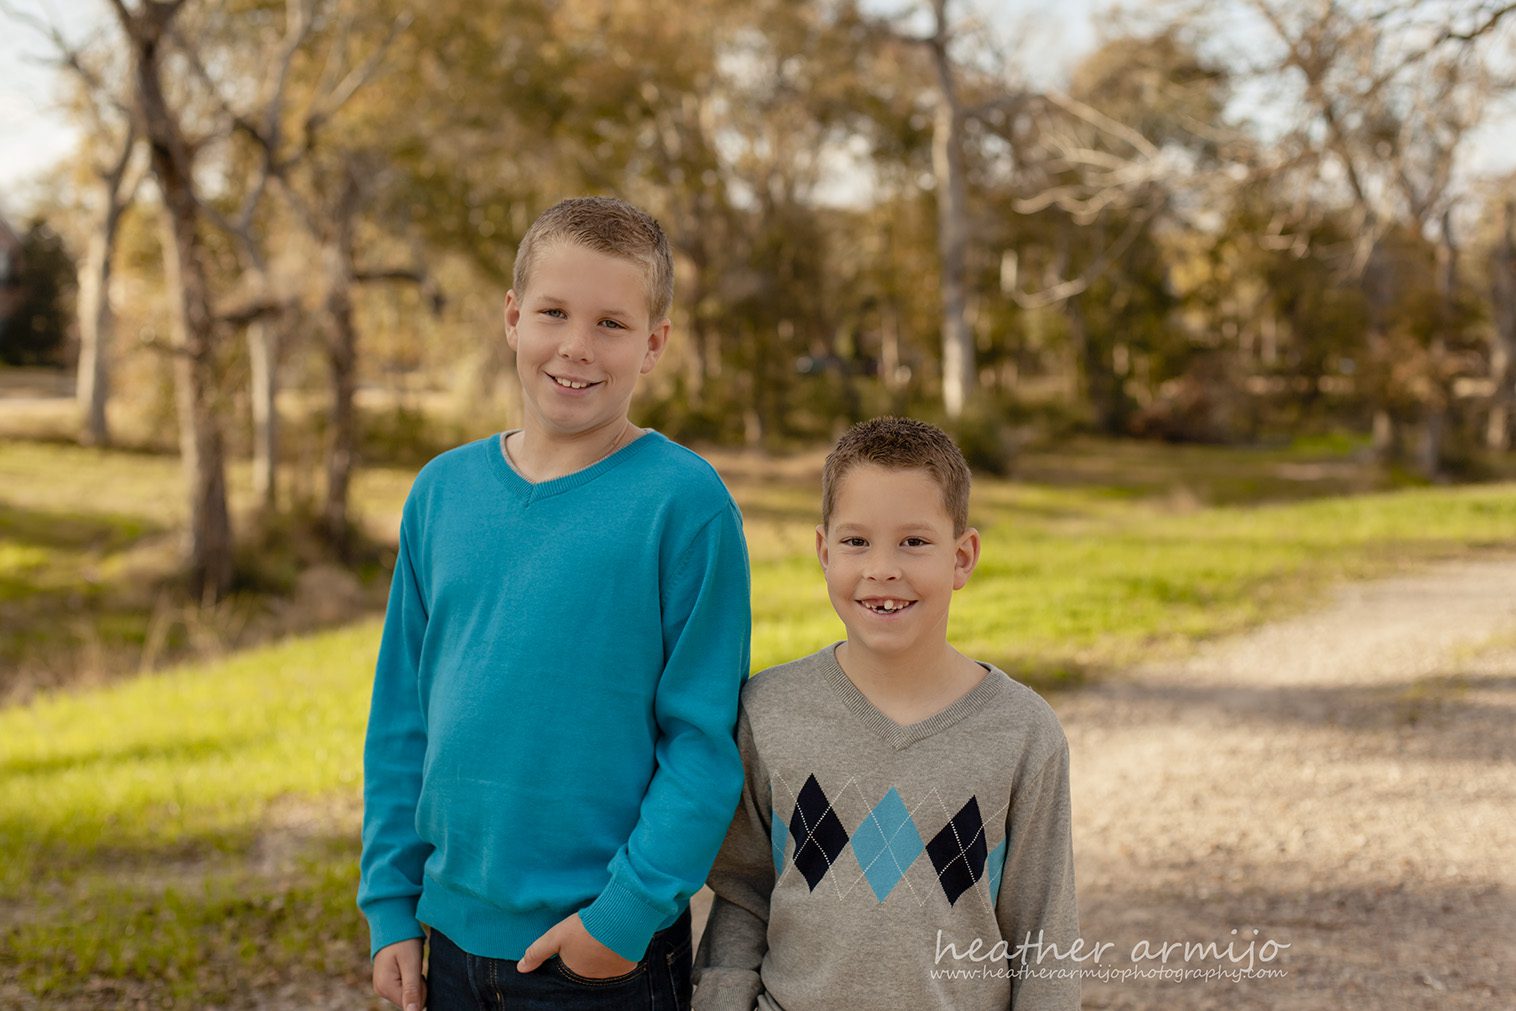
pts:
pixel 552 727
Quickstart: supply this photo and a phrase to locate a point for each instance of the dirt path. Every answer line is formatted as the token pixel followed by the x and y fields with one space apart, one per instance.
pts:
pixel 1343 782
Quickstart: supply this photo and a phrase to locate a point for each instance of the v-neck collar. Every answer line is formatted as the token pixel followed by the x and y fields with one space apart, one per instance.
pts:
pixel 901 736
pixel 532 491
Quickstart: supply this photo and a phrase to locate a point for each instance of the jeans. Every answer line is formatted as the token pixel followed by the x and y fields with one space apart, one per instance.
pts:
pixel 458 981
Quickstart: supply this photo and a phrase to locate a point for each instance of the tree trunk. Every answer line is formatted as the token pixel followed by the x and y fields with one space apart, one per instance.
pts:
pixel 263 345
pixel 1380 388
pixel 700 342
pixel 195 366
pixel 1434 422
pixel 700 337
pixel 889 347
pixel 1498 428
pixel 342 363
pixel 1386 440
pixel 952 226
pixel 755 408
pixel 96 318
pixel 96 327
pixel 1098 382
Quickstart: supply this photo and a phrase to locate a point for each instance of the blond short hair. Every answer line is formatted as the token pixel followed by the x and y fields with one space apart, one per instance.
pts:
pixel 606 225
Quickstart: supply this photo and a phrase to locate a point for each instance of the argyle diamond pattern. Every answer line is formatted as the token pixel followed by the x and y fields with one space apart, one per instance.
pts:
pixel 819 835
pixel 958 851
pixel 886 844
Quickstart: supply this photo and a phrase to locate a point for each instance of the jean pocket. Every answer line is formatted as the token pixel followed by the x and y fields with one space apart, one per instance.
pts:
pixel 562 969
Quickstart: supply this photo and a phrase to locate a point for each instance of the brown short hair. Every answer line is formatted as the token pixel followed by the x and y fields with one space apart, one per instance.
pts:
pixel 606 225
pixel 900 444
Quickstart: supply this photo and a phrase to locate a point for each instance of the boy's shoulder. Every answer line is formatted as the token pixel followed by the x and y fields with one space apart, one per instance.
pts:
pixel 1025 715
pixel 681 471
pixel 779 687
pixel 447 465
pixel 468 454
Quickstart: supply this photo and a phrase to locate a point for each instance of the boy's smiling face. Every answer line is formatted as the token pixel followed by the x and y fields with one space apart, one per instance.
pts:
pixel 582 334
pixel 892 560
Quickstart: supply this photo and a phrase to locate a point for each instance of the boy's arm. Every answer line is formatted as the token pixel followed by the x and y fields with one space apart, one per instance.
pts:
pixel 689 801
pixel 736 935
pixel 1037 887
pixel 393 853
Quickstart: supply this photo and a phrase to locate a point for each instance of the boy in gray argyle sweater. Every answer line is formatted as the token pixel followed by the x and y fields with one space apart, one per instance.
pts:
pixel 903 836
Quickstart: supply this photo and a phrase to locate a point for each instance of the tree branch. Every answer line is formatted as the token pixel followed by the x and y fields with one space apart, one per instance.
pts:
pixel 1077 286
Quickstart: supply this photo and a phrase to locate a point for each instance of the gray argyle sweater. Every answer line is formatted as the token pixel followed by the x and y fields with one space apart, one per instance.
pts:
pixel 877 865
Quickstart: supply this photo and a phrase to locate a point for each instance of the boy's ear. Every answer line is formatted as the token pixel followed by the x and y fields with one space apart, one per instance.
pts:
pixel 512 317
pixel 965 557
pixel 821 551
pixel 656 342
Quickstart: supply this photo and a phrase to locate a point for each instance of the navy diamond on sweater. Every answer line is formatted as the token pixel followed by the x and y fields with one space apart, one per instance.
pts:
pixel 958 851
pixel 819 835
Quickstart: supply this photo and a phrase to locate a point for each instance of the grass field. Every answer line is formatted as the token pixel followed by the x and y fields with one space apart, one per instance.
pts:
pixel 189 835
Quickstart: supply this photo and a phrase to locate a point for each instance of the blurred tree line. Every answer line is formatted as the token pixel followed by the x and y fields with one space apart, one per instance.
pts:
pixel 36 277
pixel 1237 220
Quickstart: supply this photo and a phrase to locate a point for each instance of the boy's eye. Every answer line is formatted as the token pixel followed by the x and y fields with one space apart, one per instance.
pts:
pixel 916 542
pixel 855 542
pixel 554 313
pixel 613 324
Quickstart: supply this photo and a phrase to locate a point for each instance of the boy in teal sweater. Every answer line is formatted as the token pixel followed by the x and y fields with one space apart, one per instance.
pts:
pixel 550 764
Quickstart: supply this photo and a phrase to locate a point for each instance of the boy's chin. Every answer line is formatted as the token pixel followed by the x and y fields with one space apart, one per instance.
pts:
pixel 882 645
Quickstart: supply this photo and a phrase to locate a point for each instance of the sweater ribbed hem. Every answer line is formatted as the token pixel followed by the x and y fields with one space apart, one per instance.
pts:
pixel 623 921
pixel 389 921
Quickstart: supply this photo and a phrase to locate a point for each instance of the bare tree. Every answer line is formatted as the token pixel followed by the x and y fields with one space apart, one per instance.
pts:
pixel 118 172
pixel 118 182
pixel 1132 145
pixel 1390 96
pixel 264 306
pixel 958 373
pixel 321 188
pixel 334 184
pixel 950 187
pixel 196 373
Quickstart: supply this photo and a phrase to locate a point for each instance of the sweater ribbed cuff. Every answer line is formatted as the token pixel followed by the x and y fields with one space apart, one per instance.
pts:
pixel 389 921
pixel 622 920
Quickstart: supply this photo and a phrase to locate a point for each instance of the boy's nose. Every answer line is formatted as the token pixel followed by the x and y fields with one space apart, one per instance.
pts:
pixel 576 345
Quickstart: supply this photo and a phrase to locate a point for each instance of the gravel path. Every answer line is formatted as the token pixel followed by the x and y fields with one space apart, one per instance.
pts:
pixel 1341 782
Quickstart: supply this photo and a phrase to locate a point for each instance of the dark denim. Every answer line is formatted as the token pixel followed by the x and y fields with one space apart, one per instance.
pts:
pixel 458 981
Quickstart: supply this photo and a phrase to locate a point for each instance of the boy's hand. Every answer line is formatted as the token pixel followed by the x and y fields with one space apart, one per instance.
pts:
pixel 581 954
pixel 397 975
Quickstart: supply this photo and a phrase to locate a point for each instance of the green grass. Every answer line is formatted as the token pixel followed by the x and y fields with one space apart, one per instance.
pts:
pixel 148 831
pixel 89 547
pixel 191 834
pixel 1073 579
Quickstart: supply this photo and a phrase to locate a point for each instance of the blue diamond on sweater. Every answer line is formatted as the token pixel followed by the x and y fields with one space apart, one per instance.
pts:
pixel 997 868
pixel 886 844
pixel 778 836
